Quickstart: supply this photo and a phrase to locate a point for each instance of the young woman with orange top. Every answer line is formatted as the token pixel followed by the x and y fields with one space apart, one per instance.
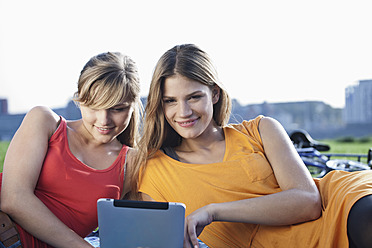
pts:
pixel 244 185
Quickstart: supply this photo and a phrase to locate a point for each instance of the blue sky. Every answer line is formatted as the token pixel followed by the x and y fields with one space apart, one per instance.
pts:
pixel 274 51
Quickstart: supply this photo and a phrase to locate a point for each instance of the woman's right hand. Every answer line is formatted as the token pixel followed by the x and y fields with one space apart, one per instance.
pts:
pixel 194 225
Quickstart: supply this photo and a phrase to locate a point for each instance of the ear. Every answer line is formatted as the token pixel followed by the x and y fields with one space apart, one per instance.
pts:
pixel 215 94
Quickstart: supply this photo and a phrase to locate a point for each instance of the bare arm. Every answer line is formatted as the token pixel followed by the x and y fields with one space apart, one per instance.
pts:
pixel 22 166
pixel 298 202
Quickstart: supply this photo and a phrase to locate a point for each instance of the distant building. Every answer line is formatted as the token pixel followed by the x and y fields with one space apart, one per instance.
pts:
pixel 9 125
pixel 316 117
pixel 358 103
pixel 3 106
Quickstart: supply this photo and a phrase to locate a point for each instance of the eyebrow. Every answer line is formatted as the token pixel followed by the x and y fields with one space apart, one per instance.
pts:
pixel 188 95
pixel 124 104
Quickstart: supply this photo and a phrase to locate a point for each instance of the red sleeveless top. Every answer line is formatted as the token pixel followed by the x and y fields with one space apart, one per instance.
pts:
pixel 70 189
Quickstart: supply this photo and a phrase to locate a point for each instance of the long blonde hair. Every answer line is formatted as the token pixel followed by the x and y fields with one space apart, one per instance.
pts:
pixel 191 62
pixel 108 79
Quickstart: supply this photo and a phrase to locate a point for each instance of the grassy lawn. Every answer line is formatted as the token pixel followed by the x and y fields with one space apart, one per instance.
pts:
pixel 350 146
pixel 3 147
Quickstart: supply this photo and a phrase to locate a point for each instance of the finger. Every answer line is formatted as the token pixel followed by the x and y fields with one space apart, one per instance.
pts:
pixel 187 243
pixel 186 240
pixel 193 236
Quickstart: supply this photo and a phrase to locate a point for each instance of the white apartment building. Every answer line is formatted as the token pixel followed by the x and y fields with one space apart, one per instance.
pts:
pixel 358 103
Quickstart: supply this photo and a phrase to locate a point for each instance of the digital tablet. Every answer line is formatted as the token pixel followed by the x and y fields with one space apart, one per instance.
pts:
pixel 124 223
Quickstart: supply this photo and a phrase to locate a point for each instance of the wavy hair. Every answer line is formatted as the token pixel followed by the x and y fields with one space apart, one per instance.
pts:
pixel 108 79
pixel 189 61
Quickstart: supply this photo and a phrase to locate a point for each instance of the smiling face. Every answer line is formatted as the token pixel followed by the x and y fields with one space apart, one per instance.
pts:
pixel 188 106
pixel 104 125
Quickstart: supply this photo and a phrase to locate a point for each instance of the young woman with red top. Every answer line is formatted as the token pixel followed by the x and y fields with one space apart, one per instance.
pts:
pixel 244 185
pixel 56 170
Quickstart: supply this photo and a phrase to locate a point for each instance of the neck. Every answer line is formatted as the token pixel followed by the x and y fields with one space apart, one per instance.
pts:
pixel 206 141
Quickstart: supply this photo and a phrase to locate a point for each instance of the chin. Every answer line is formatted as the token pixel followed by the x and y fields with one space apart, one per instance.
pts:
pixel 190 136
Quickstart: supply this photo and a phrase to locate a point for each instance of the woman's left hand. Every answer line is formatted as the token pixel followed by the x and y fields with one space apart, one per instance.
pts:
pixel 195 223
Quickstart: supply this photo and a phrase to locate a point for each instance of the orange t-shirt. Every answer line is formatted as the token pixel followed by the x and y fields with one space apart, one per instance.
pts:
pixel 246 173
pixel 70 189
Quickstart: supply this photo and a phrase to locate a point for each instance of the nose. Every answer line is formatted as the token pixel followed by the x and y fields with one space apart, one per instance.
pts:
pixel 103 117
pixel 184 109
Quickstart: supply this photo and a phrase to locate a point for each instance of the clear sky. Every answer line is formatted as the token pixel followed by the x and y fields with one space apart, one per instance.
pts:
pixel 268 50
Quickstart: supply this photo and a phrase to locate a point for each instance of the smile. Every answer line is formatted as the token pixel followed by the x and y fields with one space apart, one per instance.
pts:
pixel 104 130
pixel 186 123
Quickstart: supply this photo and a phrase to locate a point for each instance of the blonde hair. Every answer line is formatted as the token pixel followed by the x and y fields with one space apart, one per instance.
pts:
pixel 107 80
pixel 189 61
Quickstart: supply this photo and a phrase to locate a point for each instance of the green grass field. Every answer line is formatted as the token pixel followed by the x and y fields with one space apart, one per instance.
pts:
pixel 3 147
pixel 350 146
pixel 342 145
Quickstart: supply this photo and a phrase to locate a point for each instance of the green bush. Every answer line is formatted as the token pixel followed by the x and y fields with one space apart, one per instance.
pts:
pixel 347 139
pixel 365 140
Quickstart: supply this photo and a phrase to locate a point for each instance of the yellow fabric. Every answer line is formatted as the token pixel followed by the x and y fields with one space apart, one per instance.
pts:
pixel 246 173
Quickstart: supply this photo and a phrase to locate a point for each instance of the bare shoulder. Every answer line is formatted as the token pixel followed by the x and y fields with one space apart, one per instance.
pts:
pixel 273 135
pixel 269 125
pixel 42 118
pixel 44 112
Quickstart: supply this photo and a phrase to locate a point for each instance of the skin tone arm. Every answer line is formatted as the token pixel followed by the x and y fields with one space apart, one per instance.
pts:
pixel 22 168
pixel 298 202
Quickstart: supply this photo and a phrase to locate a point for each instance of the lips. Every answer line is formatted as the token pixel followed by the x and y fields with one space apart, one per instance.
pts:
pixel 187 123
pixel 104 130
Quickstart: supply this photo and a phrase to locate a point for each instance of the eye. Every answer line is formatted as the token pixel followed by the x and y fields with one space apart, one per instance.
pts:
pixel 168 100
pixel 120 109
pixel 196 97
